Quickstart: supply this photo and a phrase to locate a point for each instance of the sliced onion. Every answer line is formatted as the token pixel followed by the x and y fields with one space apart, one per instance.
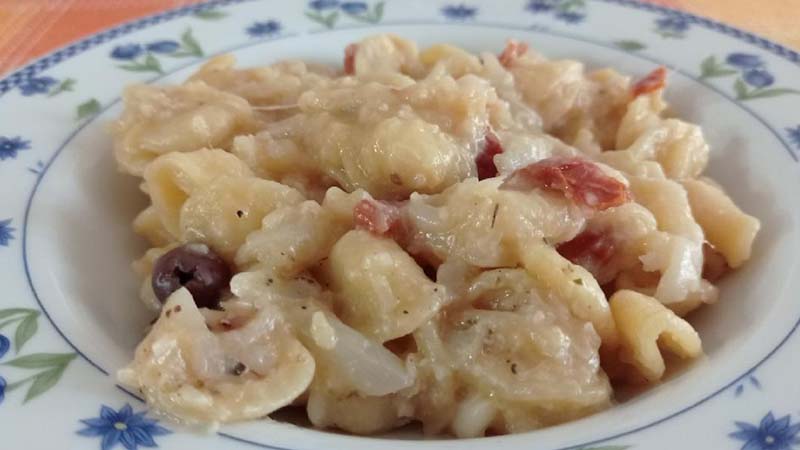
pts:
pixel 473 416
pixel 367 365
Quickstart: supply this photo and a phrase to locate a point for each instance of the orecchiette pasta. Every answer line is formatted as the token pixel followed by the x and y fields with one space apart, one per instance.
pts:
pixel 475 243
pixel 176 119
pixel 182 367
pixel 225 211
pixel 173 177
pixel 378 288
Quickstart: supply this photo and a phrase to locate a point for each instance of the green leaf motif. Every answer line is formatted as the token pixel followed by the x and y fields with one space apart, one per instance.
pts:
pixel 378 11
pixel 65 85
pixel 135 67
pixel 774 92
pixel 710 68
pixel 88 108
pixel 210 14
pixel 43 381
pixel 670 34
pixel 41 360
pixel 15 311
pixel 190 44
pixel 328 21
pixel 53 365
pixel 25 331
pixel 152 63
pixel 707 66
pixel 571 5
pixel 741 89
pixel 372 16
pixel 629 45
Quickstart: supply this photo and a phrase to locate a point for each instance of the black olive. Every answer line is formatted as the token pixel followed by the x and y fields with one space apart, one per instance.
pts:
pixel 195 267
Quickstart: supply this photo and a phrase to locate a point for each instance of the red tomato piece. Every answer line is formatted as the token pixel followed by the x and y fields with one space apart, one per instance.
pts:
pixel 579 180
pixel 350 59
pixel 377 217
pixel 654 81
pixel 591 250
pixel 514 49
pixel 485 159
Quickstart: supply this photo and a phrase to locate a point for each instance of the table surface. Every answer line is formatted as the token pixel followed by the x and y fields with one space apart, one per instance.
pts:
pixel 32 28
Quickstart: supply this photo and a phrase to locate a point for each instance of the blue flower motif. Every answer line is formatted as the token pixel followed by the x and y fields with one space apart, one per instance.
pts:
pixel 320 5
pixel 459 12
pixel 10 146
pixel 758 78
pixel 162 47
pixel 126 52
pixel 744 60
pixel 570 16
pixel 538 6
pixel 672 24
pixel 2 389
pixel 794 135
pixel 261 29
pixel 770 434
pixel 5 344
pixel 123 427
pixel 6 232
pixel 354 7
pixel 33 86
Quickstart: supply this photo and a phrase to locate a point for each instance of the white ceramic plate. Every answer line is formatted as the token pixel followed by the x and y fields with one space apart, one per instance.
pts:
pixel 69 314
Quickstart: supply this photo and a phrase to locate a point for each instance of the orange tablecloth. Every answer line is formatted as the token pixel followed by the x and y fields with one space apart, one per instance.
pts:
pixel 31 28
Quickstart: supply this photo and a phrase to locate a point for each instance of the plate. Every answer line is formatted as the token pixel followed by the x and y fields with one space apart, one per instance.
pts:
pixel 69 314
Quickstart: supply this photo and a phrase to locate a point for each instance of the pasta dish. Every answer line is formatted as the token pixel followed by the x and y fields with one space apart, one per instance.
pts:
pixel 482 244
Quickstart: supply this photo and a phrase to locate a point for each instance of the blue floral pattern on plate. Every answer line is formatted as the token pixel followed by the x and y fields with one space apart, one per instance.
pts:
pixel 459 12
pixel 32 86
pixel 322 5
pixel 139 57
pixel 794 135
pixel 354 8
pixel 754 80
pixel 568 11
pixel 327 12
pixel 40 85
pixel 750 380
pixel 672 26
pixel 124 427
pixel 165 46
pixel 265 28
pixel 5 344
pixel 769 434
pixel 6 233
pixel 126 52
pixel 11 146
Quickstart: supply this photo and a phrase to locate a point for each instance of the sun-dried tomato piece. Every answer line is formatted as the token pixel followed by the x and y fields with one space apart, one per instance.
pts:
pixel 579 180
pixel 654 81
pixel 350 59
pixel 485 159
pixel 591 250
pixel 377 217
pixel 514 49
